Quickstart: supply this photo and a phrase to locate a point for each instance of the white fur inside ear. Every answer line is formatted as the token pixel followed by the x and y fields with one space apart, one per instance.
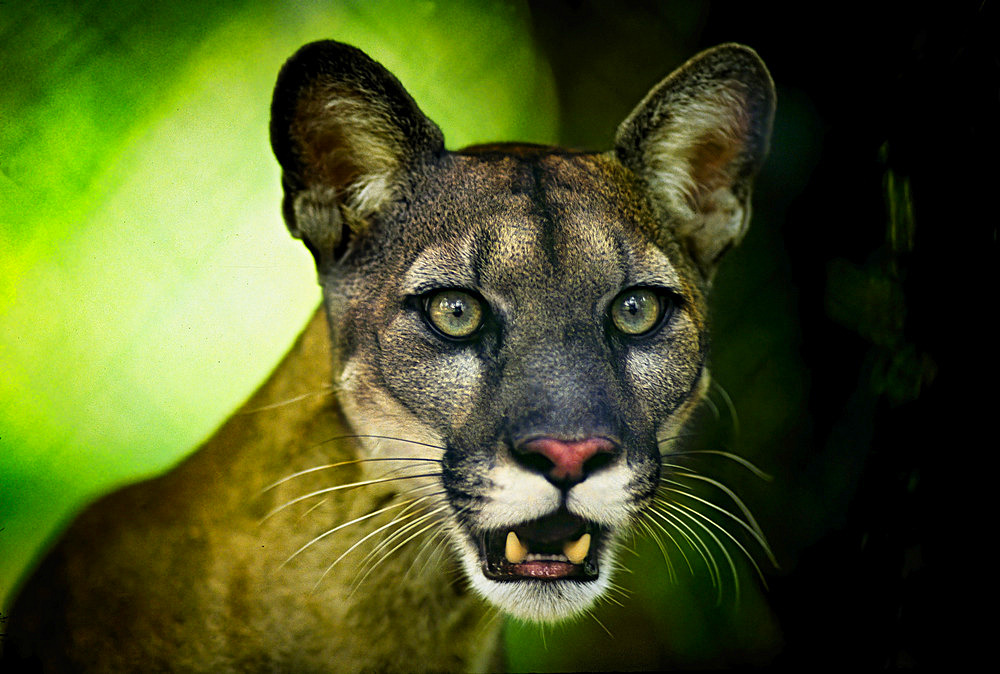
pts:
pixel 676 166
pixel 691 165
pixel 370 192
pixel 368 143
pixel 721 224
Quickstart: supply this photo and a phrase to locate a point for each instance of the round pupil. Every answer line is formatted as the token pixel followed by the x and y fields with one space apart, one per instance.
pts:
pixel 636 312
pixel 455 313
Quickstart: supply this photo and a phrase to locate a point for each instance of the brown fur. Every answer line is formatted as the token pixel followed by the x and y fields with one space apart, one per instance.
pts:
pixel 191 578
pixel 253 553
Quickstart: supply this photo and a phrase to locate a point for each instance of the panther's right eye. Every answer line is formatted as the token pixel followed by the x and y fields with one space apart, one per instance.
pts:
pixel 638 311
pixel 454 313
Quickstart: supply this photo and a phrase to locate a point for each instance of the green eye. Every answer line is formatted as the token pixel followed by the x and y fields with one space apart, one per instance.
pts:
pixel 455 313
pixel 636 311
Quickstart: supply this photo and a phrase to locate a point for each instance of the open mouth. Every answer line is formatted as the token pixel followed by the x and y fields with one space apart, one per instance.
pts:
pixel 560 546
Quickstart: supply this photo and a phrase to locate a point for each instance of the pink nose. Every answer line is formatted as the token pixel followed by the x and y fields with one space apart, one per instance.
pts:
pixel 568 458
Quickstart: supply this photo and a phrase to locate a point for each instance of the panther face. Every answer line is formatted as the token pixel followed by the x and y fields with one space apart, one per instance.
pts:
pixel 519 332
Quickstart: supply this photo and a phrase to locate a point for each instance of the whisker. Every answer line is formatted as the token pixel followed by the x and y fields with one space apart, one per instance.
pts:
pixel 697 544
pixel 621 568
pixel 430 549
pixel 425 550
pixel 409 538
pixel 729 535
pixel 487 620
pixel 713 408
pixel 750 525
pixel 610 598
pixel 349 462
pixel 629 548
pixel 690 536
pixel 399 517
pixel 730 407
pixel 401 531
pixel 746 463
pixel 337 528
pixel 340 487
pixel 692 514
pixel 291 401
pixel 673 438
pixel 616 588
pixel 308 512
pixel 355 436
pixel 756 536
pixel 677 545
pixel 671 573
pixel 592 616
pixel 689 513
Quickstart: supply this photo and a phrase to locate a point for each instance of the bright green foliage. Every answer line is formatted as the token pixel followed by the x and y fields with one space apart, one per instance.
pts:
pixel 148 283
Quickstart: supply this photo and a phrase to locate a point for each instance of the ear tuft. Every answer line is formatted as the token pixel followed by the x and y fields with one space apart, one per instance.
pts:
pixel 345 133
pixel 318 221
pixel 696 142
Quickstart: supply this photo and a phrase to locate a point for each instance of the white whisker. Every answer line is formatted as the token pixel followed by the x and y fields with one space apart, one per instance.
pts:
pixel 354 436
pixel 308 512
pixel 674 438
pixel 399 517
pixel 401 531
pixel 340 487
pixel 713 408
pixel 343 525
pixel 746 463
pixel 291 401
pixel 751 527
pixel 677 545
pixel 408 527
pixel 690 514
pixel 696 517
pixel 432 546
pixel 671 573
pixel 696 543
pixel 350 462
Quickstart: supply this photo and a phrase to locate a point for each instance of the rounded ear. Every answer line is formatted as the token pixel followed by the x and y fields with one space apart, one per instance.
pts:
pixel 345 133
pixel 696 142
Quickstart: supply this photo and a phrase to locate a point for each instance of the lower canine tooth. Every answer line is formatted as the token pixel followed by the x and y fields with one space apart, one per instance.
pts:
pixel 576 551
pixel 515 550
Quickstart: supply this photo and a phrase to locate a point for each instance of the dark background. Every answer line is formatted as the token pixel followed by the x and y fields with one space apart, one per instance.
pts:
pixel 849 323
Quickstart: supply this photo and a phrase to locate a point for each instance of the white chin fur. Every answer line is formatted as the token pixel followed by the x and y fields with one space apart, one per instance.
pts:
pixel 534 600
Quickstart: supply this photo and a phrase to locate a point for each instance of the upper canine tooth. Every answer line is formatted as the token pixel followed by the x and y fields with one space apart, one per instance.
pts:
pixel 576 550
pixel 515 550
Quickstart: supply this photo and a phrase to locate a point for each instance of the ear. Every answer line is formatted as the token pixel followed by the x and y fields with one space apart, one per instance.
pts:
pixel 696 142
pixel 345 133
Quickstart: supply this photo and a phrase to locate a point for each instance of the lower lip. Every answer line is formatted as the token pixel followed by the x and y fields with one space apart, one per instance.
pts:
pixel 544 570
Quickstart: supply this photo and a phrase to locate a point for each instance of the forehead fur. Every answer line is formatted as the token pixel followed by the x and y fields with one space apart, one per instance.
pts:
pixel 545 219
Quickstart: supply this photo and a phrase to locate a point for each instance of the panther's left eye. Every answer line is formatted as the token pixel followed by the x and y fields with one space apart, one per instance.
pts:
pixel 638 311
pixel 455 313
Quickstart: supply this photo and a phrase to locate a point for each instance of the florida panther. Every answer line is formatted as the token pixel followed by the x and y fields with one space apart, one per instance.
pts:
pixel 511 340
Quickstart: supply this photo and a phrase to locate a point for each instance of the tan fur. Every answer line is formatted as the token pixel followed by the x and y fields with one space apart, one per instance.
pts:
pixel 352 515
pixel 213 549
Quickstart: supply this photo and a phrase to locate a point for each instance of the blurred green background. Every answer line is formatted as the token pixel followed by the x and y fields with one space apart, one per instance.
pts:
pixel 148 283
